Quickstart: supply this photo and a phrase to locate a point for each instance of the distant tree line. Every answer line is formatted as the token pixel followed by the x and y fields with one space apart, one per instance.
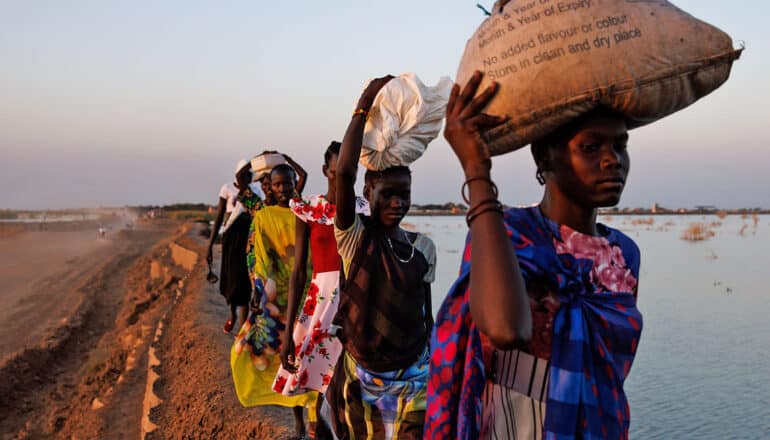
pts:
pixel 173 207
pixel 440 207
pixel 7 214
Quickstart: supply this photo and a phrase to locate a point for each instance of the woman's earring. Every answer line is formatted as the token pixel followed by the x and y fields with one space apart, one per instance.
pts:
pixel 540 178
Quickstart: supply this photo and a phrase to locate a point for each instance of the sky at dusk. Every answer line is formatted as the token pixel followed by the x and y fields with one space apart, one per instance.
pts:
pixel 107 103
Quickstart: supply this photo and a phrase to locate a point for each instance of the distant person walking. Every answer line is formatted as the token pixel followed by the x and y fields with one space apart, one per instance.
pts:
pixel 234 282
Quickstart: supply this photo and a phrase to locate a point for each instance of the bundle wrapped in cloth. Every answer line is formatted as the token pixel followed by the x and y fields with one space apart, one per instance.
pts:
pixel 262 164
pixel 405 117
pixel 558 59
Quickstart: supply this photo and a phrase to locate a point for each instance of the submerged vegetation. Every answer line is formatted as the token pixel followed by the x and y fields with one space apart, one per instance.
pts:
pixel 697 231
pixel 649 221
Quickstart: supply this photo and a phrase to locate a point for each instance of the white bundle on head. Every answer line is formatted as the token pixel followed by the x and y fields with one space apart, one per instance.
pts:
pixel 405 117
pixel 262 164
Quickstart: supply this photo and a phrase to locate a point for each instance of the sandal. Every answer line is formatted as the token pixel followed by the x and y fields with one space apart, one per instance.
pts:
pixel 228 326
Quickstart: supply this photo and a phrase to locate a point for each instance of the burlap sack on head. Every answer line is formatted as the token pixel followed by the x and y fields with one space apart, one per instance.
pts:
pixel 558 59
pixel 405 117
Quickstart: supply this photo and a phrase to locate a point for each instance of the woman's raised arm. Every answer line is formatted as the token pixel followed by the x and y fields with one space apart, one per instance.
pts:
pixel 347 162
pixel 498 298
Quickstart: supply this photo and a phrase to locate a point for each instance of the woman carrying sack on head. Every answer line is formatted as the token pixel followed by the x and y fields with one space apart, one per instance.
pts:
pixel 264 162
pixel 378 387
pixel 537 336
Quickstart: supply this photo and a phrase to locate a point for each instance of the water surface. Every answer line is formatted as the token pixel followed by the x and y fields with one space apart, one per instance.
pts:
pixel 703 366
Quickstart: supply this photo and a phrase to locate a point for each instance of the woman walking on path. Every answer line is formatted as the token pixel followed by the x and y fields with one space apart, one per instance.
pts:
pixel 309 352
pixel 234 283
pixel 378 387
pixel 537 336
pixel 255 357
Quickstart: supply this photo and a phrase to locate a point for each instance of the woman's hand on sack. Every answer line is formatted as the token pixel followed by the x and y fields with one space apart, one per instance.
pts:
pixel 287 353
pixel 464 122
pixel 370 92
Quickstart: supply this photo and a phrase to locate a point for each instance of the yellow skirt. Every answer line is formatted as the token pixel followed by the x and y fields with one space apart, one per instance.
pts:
pixel 254 361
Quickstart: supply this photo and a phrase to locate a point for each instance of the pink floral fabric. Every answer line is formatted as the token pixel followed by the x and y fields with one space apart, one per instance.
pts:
pixel 317 209
pixel 610 272
pixel 582 291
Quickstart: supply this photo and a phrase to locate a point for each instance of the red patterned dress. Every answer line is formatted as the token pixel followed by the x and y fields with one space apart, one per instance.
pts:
pixel 316 350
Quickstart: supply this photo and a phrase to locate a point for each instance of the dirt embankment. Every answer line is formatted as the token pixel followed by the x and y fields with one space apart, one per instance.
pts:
pixel 195 385
pixel 141 355
pixel 81 379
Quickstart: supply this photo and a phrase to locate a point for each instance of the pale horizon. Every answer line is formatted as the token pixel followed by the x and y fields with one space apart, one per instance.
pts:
pixel 153 104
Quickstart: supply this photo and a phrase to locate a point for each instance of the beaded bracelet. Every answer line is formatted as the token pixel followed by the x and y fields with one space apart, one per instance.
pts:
pixel 466 199
pixel 361 111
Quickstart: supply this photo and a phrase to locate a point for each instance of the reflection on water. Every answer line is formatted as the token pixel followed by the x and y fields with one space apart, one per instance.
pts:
pixel 703 366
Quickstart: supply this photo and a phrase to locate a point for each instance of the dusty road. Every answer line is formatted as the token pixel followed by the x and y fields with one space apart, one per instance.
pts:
pixel 119 338
pixel 38 272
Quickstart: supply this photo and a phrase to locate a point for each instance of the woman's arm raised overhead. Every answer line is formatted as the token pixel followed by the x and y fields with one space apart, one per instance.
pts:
pixel 347 163
pixel 498 298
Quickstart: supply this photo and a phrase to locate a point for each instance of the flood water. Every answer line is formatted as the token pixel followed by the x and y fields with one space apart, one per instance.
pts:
pixel 703 366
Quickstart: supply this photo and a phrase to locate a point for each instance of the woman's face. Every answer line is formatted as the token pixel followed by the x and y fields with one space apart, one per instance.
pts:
pixel 592 167
pixel 266 189
pixel 390 198
pixel 265 184
pixel 282 186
